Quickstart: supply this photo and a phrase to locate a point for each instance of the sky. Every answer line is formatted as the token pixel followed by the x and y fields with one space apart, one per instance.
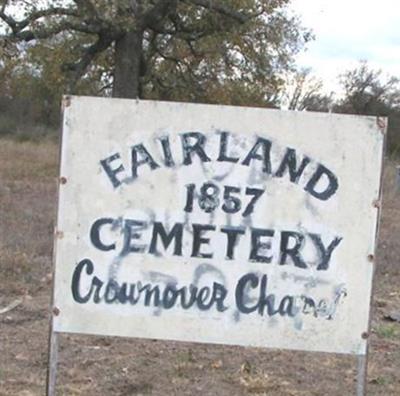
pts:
pixel 347 31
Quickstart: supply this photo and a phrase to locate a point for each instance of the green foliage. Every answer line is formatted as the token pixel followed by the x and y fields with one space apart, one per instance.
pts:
pixel 388 331
pixel 368 92
pixel 32 84
pixel 228 52
pixel 8 125
pixel 236 64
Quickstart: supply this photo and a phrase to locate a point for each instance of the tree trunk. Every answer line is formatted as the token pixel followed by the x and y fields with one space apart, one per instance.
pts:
pixel 128 53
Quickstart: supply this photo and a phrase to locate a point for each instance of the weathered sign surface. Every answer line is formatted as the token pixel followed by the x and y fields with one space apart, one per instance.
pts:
pixel 217 224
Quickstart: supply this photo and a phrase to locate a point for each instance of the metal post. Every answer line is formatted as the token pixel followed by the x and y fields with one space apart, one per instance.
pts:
pixel 398 178
pixel 53 336
pixel 362 365
pixel 52 363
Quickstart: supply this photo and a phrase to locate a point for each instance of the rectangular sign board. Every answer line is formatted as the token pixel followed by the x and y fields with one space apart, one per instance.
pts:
pixel 217 224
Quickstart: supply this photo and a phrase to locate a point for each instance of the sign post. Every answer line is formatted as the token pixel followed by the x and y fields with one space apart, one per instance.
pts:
pixel 362 361
pixel 52 364
pixel 217 224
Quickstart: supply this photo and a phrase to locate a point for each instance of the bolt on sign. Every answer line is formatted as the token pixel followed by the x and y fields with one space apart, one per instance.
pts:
pixel 217 224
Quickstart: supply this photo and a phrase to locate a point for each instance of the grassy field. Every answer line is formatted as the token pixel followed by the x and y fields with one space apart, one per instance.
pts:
pixel 108 366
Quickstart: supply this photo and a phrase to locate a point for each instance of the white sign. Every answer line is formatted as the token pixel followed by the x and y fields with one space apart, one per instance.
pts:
pixel 217 224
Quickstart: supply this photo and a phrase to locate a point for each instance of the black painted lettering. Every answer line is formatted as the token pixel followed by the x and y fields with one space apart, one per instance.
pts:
pixel 95 234
pixel 145 158
pixel 125 296
pixel 97 284
pixel 87 266
pixel 151 293
pixel 132 230
pixel 186 302
pixel 309 306
pixel 170 296
pixel 324 252
pixel 209 197
pixel 199 240
pixel 232 234
pixel 264 156
pixel 332 183
pixel 289 163
pixel 166 238
pixel 197 147
pixel 294 251
pixel 111 292
pixel 246 281
pixel 219 295
pixel 257 245
pixel 286 306
pixel 112 172
pixel 166 147
pixel 223 149
pixel 266 300
pixel 202 297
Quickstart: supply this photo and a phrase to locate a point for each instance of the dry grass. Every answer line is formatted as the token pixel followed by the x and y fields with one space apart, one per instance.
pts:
pixel 106 366
pixel 27 207
pixel 28 161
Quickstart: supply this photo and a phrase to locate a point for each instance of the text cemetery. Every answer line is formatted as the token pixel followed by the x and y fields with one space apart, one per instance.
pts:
pixel 193 240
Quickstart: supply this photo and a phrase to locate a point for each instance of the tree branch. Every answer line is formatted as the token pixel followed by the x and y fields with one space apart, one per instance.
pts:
pixel 3 5
pixel 69 19
pixel 157 13
pixel 18 26
pixel 46 32
pixel 88 6
pixel 221 9
pixel 78 69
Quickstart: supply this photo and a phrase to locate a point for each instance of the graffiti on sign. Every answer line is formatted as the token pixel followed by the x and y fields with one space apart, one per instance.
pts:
pixel 217 224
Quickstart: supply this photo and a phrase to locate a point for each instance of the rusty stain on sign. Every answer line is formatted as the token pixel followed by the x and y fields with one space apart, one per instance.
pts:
pixel 217 224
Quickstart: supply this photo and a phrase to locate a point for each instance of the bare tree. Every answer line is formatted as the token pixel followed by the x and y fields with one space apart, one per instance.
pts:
pixel 303 91
pixel 368 92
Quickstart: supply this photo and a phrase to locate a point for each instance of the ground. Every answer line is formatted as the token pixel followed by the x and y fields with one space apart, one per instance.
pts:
pixel 90 365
